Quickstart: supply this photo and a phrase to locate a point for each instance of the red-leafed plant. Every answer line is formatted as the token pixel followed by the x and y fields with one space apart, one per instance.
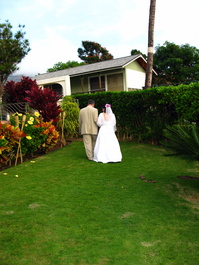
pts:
pixel 16 91
pixel 45 101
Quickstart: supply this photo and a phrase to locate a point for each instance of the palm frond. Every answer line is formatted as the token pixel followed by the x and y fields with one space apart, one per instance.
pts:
pixel 183 140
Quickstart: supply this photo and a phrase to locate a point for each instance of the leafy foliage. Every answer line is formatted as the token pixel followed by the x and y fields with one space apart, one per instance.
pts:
pixel 60 66
pixel 135 52
pixel 16 91
pixel 69 120
pixel 45 101
pixel 51 136
pixel 9 138
pixel 183 140
pixel 143 115
pixel 33 136
pixel 13 49
pixel 176 64
pixel 93 52
pixel 38 135
pixel 185 100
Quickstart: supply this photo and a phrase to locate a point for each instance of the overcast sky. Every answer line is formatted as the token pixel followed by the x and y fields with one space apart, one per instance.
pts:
pixel 56 29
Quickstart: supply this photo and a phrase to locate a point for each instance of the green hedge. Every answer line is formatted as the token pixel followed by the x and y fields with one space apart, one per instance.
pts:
pixel 142 115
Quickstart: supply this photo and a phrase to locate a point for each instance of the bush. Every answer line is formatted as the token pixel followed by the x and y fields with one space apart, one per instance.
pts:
pixel 69 117
pixel 143 115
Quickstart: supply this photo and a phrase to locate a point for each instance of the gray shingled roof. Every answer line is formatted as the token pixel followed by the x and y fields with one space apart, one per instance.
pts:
pixel 90 68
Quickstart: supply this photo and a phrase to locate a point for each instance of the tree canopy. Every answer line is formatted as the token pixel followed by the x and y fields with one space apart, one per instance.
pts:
pixel 13 49
pixel 135 52
pixel 93 52
pixel 176 63
pixel 60 66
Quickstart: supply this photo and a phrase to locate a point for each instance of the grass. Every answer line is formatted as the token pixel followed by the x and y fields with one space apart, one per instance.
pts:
pixel 66 210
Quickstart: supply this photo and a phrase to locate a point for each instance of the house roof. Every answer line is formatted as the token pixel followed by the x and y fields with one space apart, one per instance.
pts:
pixel 94 67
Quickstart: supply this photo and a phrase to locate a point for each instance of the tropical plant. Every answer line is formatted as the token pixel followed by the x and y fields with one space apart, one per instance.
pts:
pixel 51 136
pixel 9 139
pixel 13 49
pixel 33 135
pixel 39 135
pixel 16 91
pixel 93 52
pixel 45 101
pixel 183 139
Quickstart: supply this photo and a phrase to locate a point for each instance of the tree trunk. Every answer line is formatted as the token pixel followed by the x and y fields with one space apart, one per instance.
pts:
pixel 149 68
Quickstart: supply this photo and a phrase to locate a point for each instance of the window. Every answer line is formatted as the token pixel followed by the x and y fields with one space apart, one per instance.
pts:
pixel 56 87
pixel 97 83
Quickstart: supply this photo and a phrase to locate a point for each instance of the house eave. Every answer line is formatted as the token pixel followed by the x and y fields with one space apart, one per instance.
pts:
pixel 96 71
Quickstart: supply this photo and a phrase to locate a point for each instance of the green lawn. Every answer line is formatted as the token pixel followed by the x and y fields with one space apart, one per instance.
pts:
pixel 66 210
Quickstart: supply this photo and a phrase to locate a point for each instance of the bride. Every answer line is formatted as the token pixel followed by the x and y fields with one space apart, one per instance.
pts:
pixel 107 148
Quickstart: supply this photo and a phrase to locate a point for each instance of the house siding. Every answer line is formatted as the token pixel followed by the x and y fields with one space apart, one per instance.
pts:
pixel 135 76
pixel 115 82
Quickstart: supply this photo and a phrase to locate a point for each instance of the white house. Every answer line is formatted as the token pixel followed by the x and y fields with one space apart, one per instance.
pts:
pixel 122 74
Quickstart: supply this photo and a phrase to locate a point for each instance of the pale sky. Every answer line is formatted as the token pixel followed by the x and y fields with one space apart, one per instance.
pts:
pixel 56 29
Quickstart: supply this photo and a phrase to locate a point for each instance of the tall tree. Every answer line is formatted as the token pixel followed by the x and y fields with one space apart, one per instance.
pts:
pixel 61 66
pixel 13 49
pixel 176 63
pixel 93 52
pixel 149 68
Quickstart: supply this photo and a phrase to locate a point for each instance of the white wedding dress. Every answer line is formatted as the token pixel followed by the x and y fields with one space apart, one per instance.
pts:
pixel 107 148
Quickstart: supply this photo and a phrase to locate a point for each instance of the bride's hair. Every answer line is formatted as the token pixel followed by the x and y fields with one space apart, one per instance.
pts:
pixel 105 106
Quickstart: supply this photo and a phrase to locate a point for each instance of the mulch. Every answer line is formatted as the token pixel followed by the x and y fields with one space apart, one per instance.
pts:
pixel 187 177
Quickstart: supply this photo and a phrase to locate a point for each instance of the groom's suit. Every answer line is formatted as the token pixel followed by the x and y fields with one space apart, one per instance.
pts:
pixel 88 128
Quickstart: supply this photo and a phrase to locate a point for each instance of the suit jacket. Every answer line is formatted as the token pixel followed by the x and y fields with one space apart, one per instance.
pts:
pixel 88 120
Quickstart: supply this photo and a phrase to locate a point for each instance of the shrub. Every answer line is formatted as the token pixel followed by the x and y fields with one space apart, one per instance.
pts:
pixel 69 118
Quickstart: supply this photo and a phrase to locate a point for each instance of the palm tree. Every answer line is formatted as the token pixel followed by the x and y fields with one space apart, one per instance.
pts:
pixel 149 68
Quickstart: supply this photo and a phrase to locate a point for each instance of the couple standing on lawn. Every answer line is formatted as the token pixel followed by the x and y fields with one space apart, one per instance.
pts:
pixel 101 146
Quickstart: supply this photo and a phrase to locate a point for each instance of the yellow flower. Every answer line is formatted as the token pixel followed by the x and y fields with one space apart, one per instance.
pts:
pixel 16 176
pixel 30 122
pixel 28 137
pixel 5 173
pixel 26 124
pixel 19 114
pixel 31 119
pixel 36 114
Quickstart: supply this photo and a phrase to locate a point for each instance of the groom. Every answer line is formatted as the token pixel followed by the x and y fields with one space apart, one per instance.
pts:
pixel 88 127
